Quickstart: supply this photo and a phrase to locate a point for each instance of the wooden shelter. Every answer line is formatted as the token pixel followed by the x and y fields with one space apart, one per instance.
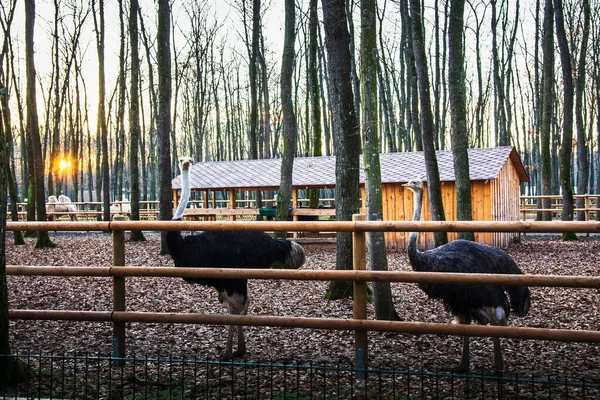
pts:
pixel 496 174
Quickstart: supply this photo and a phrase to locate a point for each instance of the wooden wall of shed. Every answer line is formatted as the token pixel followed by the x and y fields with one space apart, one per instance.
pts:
pixel 506 191
pixel 492 200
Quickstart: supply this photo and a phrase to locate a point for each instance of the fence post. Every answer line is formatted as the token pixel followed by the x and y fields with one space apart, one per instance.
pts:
pixel 359 261
pixel 118 294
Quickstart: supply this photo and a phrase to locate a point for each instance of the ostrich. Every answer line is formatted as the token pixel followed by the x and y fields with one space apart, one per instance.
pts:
pixel 228 250
pixel 484 304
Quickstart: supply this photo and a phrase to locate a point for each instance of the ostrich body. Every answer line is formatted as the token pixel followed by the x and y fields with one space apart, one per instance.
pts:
pixel 484 304
pixel 228 249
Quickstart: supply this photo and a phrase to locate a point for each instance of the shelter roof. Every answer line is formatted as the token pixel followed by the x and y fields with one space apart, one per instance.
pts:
pixel 484 163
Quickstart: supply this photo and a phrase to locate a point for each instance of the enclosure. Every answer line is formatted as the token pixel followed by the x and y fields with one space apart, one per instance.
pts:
pixel 496 174
pixel 181 360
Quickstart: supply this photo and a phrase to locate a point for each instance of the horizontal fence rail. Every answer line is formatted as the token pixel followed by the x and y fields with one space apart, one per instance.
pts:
pixel 340 226
pixel 589 282
pixel 563 335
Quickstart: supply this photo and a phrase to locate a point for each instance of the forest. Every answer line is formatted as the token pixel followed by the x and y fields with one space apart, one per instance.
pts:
pixel 84 94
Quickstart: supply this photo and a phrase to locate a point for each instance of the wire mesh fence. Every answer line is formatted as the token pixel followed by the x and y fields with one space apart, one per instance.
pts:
pixel 85 376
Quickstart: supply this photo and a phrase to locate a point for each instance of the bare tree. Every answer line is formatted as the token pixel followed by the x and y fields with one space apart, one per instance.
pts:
pixel 314 91
pixel 101 129
pixel 499 102
pixel 33 129
pixel 377 260
pixel 458 114
pixel 119 154
pixel 434 186
pixel 547 106
pixel 163 56
pixel 347 138
pixel 566 150
pixel 290 133
pixel 253 71
pixel 583 166
pixel 5 119
pixel 134 119
pixel 12 370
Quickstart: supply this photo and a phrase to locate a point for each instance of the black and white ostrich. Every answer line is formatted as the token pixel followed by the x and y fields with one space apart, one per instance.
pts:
pixel 228 249
pixel 484 304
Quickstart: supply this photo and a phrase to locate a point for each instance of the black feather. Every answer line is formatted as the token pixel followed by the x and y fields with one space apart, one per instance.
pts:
pixel 224 249
pixel 465 256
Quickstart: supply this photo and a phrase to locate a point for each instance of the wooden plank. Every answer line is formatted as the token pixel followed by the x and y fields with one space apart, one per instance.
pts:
pixel 388 202
pixel 449 200
pixel 399 212
pixel 409 209
pixel 313 211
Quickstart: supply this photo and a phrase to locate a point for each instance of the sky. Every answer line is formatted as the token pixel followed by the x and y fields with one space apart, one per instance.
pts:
pixel 222 11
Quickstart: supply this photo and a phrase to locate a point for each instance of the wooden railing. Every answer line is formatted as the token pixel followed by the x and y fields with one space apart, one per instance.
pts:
pixel 244 209
pixel 359 323
pixel 532 205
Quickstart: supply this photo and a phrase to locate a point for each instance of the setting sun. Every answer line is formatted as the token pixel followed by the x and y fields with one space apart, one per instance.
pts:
pixel 64 164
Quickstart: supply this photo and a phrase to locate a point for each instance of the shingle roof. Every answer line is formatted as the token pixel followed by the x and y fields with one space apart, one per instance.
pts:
pixel 320 171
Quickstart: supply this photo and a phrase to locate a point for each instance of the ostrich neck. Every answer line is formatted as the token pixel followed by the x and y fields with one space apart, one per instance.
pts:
pixel 412 240
pixel 185 194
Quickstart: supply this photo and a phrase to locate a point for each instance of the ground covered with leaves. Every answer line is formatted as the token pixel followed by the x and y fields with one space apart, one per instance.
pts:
pixel 551 308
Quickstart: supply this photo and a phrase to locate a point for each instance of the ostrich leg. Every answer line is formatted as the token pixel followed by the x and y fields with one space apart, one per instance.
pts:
pixel 464 360
pixel 238 305
pixel 241 343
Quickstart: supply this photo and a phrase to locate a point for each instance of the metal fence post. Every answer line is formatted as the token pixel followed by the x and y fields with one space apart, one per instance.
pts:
pixel 359 260
pixel 118 294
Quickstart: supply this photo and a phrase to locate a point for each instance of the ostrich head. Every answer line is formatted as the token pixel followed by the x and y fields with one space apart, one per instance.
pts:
pixel 415 185
pixel 185 163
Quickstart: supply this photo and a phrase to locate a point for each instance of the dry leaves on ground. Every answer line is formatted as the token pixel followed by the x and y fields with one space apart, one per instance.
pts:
pixel 551 308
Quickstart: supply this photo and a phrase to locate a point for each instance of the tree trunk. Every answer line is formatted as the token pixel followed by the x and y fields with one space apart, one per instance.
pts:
pixel 33 128
pixel 164 115
pixel 349 5
pixel 566 149
pixel 119 161
pixel 434 186
pixel 102 168
pixel 134 119
pixel 12 370
pixel 499 110
pixel 314 93
pixel 458 114
pixel 6 128
pixel 583 166
pixel 253 71
pixel 290 133
pixel 377 255
pixel 547 108
pixel 347 138
pixel 412 78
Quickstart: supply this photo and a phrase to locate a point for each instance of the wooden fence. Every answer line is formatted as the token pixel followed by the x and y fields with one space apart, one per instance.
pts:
pixel 532 205
pixel 245 209
pixel 359 324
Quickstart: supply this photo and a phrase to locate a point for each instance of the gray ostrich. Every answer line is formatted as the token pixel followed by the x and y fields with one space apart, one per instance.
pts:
pixel 228 249
pixel 484 304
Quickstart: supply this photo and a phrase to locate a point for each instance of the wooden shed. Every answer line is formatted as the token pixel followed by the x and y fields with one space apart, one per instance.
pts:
pixel 496 175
